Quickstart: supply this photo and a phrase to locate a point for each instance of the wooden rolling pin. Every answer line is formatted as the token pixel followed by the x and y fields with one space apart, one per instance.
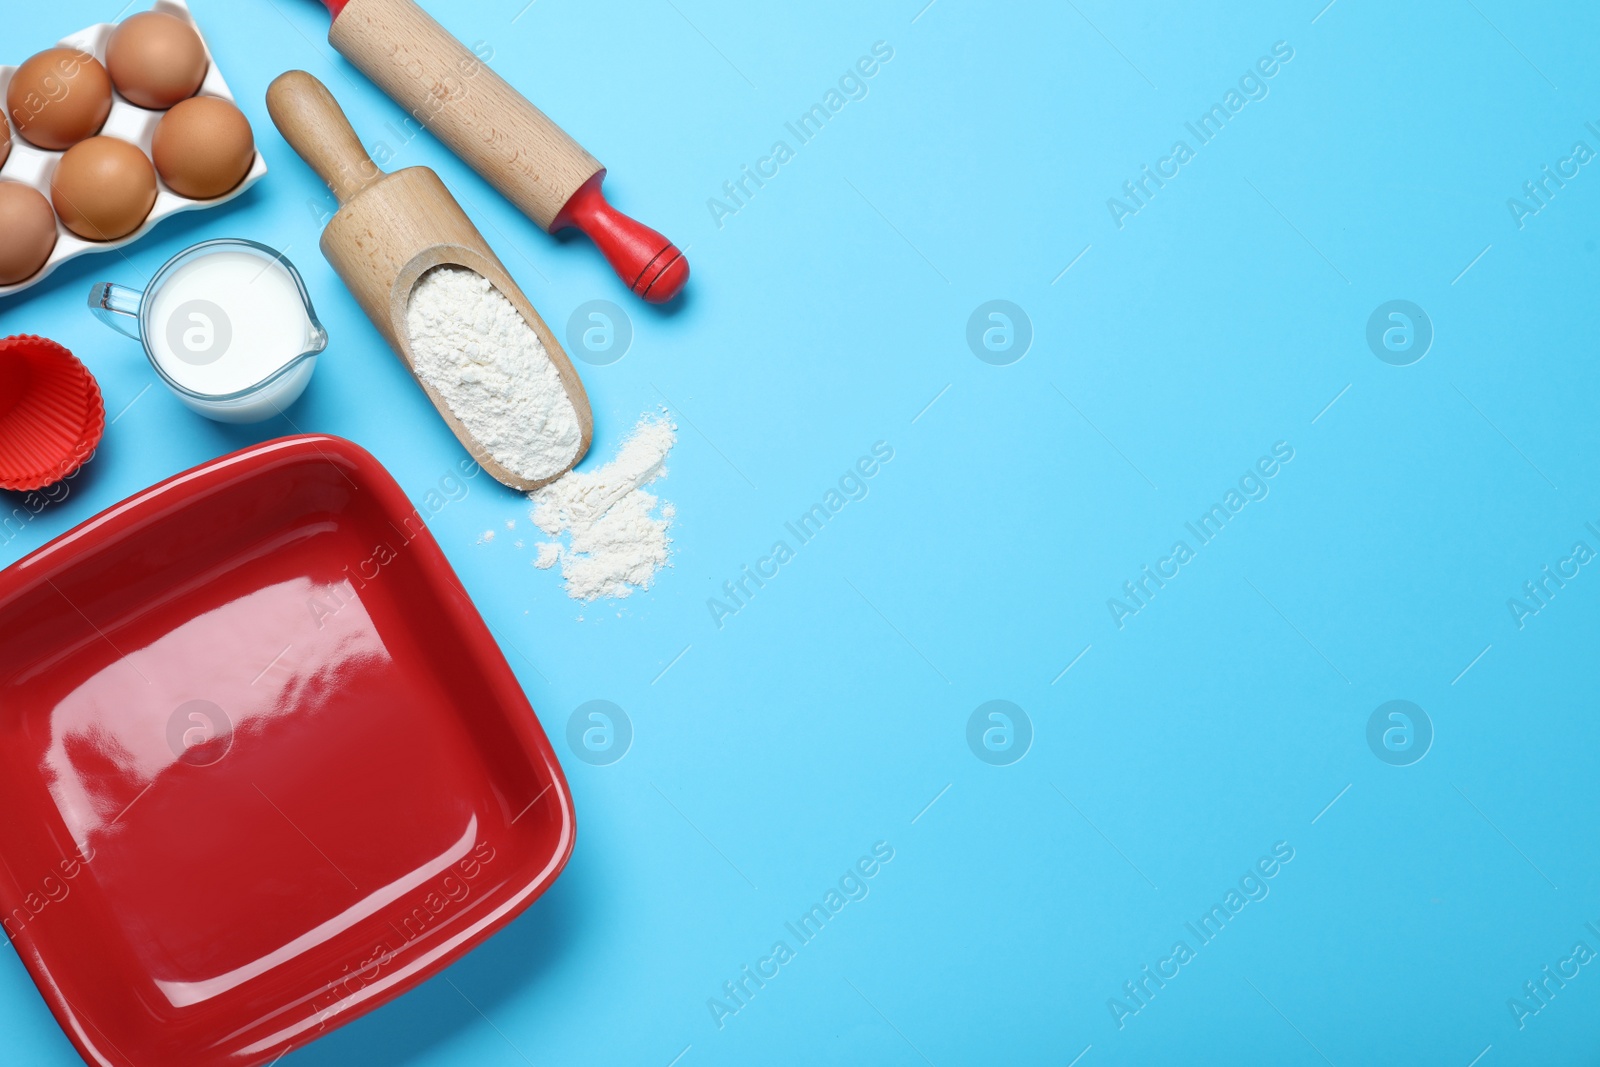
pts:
pixel 502 136
pixel 390 230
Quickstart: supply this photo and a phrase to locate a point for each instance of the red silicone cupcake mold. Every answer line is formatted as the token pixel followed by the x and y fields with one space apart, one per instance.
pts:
pixel 51 413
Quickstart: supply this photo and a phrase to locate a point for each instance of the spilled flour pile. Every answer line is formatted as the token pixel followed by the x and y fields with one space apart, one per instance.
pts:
pixel 472 346
pixel 614 544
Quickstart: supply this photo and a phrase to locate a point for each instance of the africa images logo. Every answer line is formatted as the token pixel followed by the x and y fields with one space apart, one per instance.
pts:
pixel 999 333
pixel 1399 333
pixel 1399 733
pixel 599 333
pixel 999 733
pixel 599 733
pixel 199 332
pixel 199 733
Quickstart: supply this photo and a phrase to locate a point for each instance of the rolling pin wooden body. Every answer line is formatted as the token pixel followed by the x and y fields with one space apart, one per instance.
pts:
pixel 500 134
pixel 390 230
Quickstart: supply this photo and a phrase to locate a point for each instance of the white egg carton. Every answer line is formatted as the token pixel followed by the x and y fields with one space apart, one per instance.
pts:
pixel 35 166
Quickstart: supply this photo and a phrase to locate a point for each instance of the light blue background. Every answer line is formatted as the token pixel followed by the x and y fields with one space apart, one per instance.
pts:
pixel 826 715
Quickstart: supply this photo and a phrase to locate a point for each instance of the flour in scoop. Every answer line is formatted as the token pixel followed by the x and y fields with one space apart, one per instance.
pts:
pixel 470 344
pixel 616 536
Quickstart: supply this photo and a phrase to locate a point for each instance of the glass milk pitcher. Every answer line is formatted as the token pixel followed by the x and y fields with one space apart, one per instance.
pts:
pixel 226 324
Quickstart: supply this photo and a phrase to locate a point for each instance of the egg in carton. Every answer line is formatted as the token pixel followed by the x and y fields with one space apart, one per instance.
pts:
pixel 34 167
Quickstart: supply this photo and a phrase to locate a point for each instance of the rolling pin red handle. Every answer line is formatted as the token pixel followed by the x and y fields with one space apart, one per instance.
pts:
pixel 335 6
pixel 651 265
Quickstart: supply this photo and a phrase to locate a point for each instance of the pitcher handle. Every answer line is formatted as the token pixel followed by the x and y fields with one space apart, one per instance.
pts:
pixel 117 306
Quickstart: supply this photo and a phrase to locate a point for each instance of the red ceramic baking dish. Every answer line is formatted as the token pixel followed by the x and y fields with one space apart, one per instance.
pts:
pixel 263 767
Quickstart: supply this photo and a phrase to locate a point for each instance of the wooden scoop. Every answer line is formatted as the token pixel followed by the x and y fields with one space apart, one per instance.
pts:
pixel 390 230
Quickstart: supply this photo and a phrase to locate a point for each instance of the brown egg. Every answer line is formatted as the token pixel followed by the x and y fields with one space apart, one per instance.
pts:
pixel 203 147
pixel 59 97
pixel 30 229
pixel 156 60
pixel 103 188
pixel 5 140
